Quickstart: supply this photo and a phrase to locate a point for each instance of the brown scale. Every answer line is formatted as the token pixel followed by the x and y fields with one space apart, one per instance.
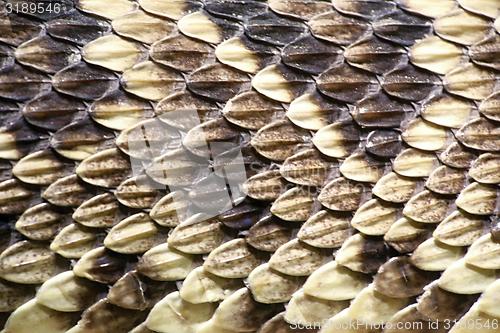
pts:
pixel 406 235
pixel 147 139
pixel 69 191
pixel 268 234
pixel 218 82
pixel 368 9
pixel 100 211
pixel 251 110
pixel 119 110
pixel 402 28
pixel 337 28
pixel 307 167
pixel 409 83
pixel 77 27
pixel 103 316
pixel 15 197
pixel 235 9
pixel 136 192
pixel 47 54
pixel 84 81
pixel 384 143
pixel 107 168
pixel 136 292
pixel 181 52
pixel 311 55
pixel 277 140
pixel 326 229
pixel 6 56
pixel 100 265
pixel 16 29
pixel 480 134
pixel 333 83
pixel 380 110
pixel 486 52
pixel 52 111
pixel 19 83
pixel 363 254
pixel 242 217
pixel 273 29
pixel 196 235
pixel 41 222
pixel 441 305
pixel 375 55
pixel 171 109
pixel 80 139
pixel 42 167
pixel 299 9
pixel 74 241
pixel 398 278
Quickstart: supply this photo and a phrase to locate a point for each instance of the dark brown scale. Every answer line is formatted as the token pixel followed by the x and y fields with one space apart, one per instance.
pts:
pixel 274 29
pixel 8 110
pixel 268 234
pixel 384 143
pixel 311 54
pixel 300 9
pixel 15 30
pixel 47 54
pixel 107 268
pixel 52 111
pixel 20 84
pixel 217 134
pixel 379 110
pixel 439 304
pixel 5 170
pixel 402 28
pixel 346 83
pixel 184 110
pixel 375 55
pixel 398 278
pixel 77 28
pixel 106 317
pixel 410 243
pixel 481 134
pixel 13 295
pixel 457 156
pixel 45 9
pixel 235 9
pixel 80 132
pixel 6 232
pixel 137 292
pixel 374 254
pixel 368 9
pixel 337 28
pixel 487 52
pixel 242 216
pixel 218 82
pixel 410 83
pixel 181 52
pixel 85 81
pixel 6 56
